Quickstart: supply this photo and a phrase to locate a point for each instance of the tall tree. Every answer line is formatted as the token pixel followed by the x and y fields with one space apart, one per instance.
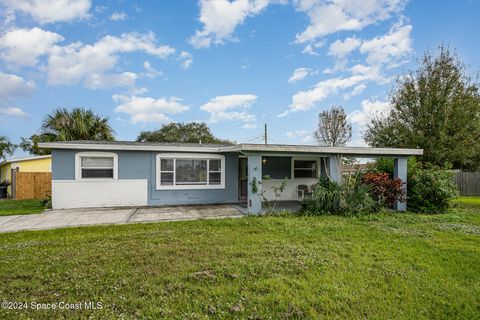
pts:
pixel 333 128
pixel 6 148
pixel 65 125
pixel 192 132
pixel 435 107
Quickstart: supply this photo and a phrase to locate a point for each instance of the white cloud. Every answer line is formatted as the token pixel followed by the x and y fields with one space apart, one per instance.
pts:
pixel 119 16
pixel 221 17
pixel 356 91
pixel 249 126
pixel 14 86
pixel 151 71
pixel 110 80
pixel 185 59
pixel 47 11
pixel 369 109
pixel 311 48
pixel 391 46
pixel 100 9
pixel 305 100
pixel 299 74
pixel 226 107
pixel 147 109
pixel 341 48
pixel 328 17
pixel 13 112
pixel 95 65
pixel 300 136
pixel 23 47
pixel 78 62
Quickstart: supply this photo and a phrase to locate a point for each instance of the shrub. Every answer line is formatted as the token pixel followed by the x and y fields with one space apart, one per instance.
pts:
pixel 384 189
pixel 331 198
pixel 430 190
pixel 47 201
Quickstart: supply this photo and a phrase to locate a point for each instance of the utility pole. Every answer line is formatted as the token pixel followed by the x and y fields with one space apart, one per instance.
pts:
pixel 266 135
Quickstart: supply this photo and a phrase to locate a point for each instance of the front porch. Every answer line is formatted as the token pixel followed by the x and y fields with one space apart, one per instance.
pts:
pixel 302 166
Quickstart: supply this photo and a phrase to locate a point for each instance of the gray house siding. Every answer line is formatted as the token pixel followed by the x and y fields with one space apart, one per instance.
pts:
pixel 63 164
pixel 142 165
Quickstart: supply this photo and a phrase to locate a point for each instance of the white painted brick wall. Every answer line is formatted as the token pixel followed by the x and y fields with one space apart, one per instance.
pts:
pixel 67 194
pixel 290 192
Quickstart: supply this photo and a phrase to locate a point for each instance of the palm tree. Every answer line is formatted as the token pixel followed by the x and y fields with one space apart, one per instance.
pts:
pixel 78 124
pixel 65 125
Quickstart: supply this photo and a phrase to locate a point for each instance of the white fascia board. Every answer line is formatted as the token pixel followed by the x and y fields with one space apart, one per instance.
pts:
pixel 87 146
pixel 359 151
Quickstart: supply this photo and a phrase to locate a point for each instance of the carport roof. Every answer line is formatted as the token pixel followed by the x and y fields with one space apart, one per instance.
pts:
pixel 224 148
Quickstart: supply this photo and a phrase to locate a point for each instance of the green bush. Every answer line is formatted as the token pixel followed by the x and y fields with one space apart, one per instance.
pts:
pixel 430 189
pixel 331 198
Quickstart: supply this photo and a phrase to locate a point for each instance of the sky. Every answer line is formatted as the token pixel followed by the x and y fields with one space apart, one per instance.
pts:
pixel 233 64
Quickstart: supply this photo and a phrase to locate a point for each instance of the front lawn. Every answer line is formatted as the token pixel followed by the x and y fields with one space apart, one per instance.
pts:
pixel 388 266
pixel 12 206
pixel 469 201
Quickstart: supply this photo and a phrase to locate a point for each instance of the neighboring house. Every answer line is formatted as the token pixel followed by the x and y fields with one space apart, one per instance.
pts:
pixel 29 164
pixel 104 174
pixel 352 169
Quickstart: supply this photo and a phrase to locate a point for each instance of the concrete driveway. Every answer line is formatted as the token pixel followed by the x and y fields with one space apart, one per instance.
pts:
pixel 88 217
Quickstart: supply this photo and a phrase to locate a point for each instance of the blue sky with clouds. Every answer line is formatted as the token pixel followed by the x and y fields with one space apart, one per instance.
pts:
pixel 235 65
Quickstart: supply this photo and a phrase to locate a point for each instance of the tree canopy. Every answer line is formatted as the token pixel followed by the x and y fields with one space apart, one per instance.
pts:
pixel 6 148
pixel 333 128
pixel 435 107
pixel 191 132
pixel 65 125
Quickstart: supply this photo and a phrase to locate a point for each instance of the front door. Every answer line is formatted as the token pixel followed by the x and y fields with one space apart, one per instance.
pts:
pixel 242 178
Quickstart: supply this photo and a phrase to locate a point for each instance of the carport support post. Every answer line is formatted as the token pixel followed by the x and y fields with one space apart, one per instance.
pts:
pixel 254 178
pixel 334 168
pixel 400 171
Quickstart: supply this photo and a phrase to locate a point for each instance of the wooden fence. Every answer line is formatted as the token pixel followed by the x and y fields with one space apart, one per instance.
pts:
pixel 468 183
pixel 32 185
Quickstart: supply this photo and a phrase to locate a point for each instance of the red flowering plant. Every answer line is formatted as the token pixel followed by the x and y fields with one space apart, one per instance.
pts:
pixel 383 188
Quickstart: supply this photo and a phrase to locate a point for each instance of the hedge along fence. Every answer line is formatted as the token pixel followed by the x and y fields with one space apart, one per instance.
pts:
pixel 32 185
pixel 468 183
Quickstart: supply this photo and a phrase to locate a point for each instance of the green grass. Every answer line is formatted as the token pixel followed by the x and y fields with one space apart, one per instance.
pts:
pixel 388 266
pixel 10 207
pixel 469 201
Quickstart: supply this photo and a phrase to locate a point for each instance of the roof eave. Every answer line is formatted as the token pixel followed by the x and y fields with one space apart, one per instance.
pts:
pixel 53 145
pixel 358 151
pixel 355 151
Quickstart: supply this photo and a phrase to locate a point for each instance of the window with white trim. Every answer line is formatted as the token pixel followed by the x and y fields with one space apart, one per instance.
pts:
pixel 305 168
pixel 96 165
pixel 190 171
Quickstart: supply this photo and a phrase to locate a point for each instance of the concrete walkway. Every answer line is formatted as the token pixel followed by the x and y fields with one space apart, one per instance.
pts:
pixel 88 217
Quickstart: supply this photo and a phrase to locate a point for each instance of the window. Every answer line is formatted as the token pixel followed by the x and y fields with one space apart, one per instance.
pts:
pixel 190 171
pixel 305 169
pixel 96 165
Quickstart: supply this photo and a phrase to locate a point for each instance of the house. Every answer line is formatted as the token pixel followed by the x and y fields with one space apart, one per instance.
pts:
pixel 28 164
pixel 122 173
pixel 352 169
